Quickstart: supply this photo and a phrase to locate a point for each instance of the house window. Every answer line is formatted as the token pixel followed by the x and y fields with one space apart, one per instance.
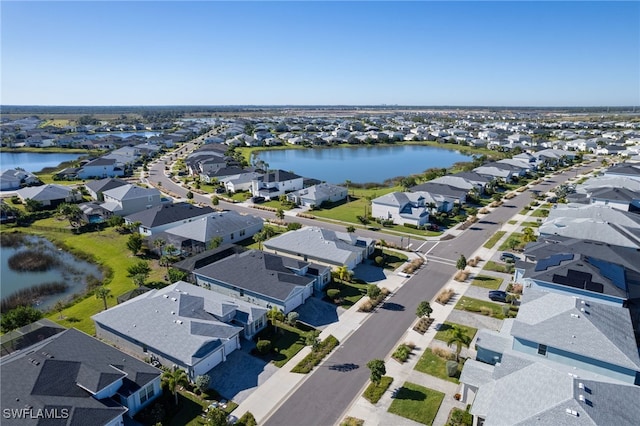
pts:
pixel 242 232
pixel 146 394
pixel 232 236
pixel 542 350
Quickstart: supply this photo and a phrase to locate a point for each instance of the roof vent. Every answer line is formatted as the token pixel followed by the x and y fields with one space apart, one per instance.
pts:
pixel 179 321
pixel 571 412
pixel 581 385
pixel 581 398
pixel 165 296
pixel 173 313
pixel 174 299
pixel 575 316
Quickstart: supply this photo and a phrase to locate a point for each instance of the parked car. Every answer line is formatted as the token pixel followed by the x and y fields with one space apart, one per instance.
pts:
pixel 498 296
pixel 508 257
pixel 256 200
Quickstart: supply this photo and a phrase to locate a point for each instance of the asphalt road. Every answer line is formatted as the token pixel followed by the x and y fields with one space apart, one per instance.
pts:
pixel 326 394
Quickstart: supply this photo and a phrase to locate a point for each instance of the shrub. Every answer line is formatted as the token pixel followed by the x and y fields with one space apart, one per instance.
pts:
pixel 452 368
pixel 486 311
pixel 373 291
pixel 263 346
pixel 445 296
pixel 374 392
pixel 517 288
pixel 333 293
pixel 402 353
pixel 461 276
pixel 379 260
pixel 247 419
pixel 316 355
pixel 292 318
pixel 505 310
pixel 202 382
pixel 410 225
pixel 443 353
pixel 366 306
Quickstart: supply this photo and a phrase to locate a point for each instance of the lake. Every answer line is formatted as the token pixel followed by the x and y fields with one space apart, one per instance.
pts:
pixel 146 134
pixel 34 161
pixel 71 271
pixel 361 164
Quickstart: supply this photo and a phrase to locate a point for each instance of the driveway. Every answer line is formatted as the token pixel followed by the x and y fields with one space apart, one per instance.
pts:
pixel 318 313
pixel 240 374
pixel 369 273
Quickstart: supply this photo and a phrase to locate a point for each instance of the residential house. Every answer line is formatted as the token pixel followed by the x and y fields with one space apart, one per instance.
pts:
pixel 401 208
pixel 196 236
pixel 618 198
pixel 315 195
pixel 72 378
pixel 183 325
pixel 16 178
pixel 127 199
pixel 449 194
pixel 593 222
pixel 467 181
pixel 263 279
pixel 275 183
pixel 100 168
pixel 628 170
pixel 239 182
pixel 322 246
pixel 493 171
pixel 165 216
pixel 95 188
pixel 50 195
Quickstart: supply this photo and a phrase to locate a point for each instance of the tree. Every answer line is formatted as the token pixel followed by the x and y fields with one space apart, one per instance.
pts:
pixel 134 243
pixel 347 183
pixel 139 272
pixel 173 379
pixel 166 261
pixel 71 212
pixel 202 382
pixel 343 273
pixel 59 307
pixel 351 229
pixel 114 221
pixel 190 195
pixel 32 205
pixel 262 236
pixel 214 243
pixel 102 293
pixel 378 370
pixel 528 235
pixel 247 419
pixel 461 263
pixel 19 317
pixel 312 339
pixel 460 338
pixel 158 243
pixel 215 200
pixel 274 316
pixel 292 318
pixel 424 309
pixel 176 275
pixel 280 214
pixel 216 417
pixel 373 291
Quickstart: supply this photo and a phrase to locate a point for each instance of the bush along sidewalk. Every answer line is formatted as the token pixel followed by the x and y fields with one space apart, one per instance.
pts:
pixel 316 355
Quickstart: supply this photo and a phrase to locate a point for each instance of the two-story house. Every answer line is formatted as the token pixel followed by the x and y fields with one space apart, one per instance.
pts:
pixel 275 183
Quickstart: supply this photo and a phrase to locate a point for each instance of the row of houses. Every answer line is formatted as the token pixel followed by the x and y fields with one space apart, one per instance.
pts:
pixel 571 356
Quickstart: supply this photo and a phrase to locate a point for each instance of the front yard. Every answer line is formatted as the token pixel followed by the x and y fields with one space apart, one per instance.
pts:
pixel 417 403
pixel 486 281
pixel 444 331
pixel 431 362
pixel 480 306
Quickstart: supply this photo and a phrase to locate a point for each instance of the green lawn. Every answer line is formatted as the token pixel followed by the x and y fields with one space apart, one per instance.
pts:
pixel 486 281
pixel 540 213
pixel 417 403
pixel 525 211
pixel 286 342
pixel 495 267
pixel 531 224
pixel 374 392
pixel 443 332
pixel 475 305
pixel 392 259
pixel 514 241
pixel 512 222
pixel 494 239
pixel 432 364
pixel 349 211
pixel 350 292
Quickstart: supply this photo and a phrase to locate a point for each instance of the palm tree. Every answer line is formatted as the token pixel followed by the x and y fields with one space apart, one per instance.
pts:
pixel 460 338
pixel 173 379
pixel 280 214
pixel 274 316
pixel 102 293
pixel 343 273
pixel 158 243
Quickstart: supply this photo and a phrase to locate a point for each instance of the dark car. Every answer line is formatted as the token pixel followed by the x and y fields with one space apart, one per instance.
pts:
pixel 498 296
pixel 256 200
pixel 508 257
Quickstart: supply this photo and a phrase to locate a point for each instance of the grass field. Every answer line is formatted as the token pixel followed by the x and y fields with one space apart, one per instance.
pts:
pixel 417 403
pixel 476 305
pixel 495 267
pixel 514 241
pixel 432 364
pixel 443 333
pixel 486 281
pixel 540 213
pixel 494 239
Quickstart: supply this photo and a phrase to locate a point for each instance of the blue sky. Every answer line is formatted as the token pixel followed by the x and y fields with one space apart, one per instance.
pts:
pixel 307 53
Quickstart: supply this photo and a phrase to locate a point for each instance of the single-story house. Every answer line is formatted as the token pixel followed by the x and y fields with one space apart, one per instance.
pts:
pixel 15 178
pixel 182 324
pixel 50 195
pixel 322 246
pixel 164 216
pixel 100 168
pixel 263 279
pixel 315 195
pixel 72 378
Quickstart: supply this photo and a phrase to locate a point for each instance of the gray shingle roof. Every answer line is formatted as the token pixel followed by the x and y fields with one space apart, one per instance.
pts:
pixel 45 193
pixel 258 272
pixel 215 224
pixel 168 213
pixel 60 372
pixel 151 319
pixel 601 332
